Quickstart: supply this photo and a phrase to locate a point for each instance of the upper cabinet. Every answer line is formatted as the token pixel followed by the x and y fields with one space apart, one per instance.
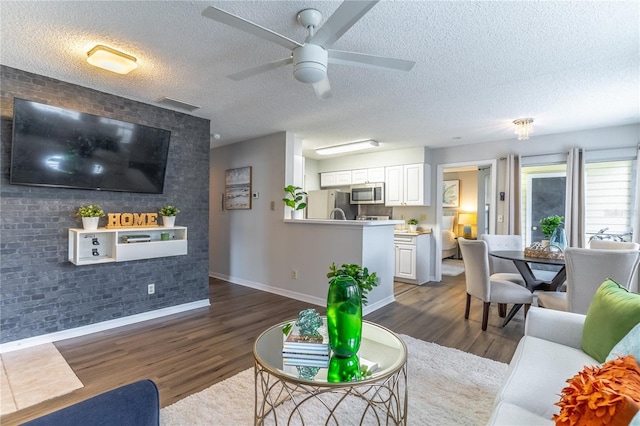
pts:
pixel 341 178
pixel 408 185
pixel 372 175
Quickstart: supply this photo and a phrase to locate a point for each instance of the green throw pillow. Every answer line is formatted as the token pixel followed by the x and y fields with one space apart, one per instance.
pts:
pixel 614 311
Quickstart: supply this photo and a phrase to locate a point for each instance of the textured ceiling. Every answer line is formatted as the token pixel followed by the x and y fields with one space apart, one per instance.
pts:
pixel 479 66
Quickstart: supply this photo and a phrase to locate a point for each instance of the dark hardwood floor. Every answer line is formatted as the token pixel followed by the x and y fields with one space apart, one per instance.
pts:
pixel 188 352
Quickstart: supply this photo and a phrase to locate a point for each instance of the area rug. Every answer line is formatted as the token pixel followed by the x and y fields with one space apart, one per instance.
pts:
pixel 30 376
pixel 452 267
pixel 446 387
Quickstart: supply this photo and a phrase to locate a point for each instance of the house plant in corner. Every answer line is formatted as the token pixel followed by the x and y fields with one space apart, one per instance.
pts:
pixel 168 214
pixel 348 288
pixel 295 200
pixel 413 225
pixel 90 215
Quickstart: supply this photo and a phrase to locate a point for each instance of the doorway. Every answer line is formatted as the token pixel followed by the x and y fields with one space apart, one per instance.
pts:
pixel 485 204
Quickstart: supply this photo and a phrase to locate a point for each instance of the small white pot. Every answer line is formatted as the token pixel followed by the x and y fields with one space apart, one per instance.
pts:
pixel 90 223
pixel 297 214
pixel 413 228
pixel 168 221
pixel 545 243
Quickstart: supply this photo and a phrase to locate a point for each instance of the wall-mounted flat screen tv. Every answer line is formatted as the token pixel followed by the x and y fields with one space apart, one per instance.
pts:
pixel 59 147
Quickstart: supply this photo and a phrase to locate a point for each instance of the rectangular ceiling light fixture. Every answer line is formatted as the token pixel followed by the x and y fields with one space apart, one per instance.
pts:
pixel 347 147
pixel 111 60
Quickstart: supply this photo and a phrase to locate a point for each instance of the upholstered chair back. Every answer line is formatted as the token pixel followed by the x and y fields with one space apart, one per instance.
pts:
pixel 502 242
pixel 613 245
pixel 588 268
pixel 476 267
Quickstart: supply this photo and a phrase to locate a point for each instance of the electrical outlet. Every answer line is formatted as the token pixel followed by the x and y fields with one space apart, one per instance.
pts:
pixel 151 288
pixel 423 217
pixel 273 205
pixel 500 218
pixel 294 274
pixel 401 217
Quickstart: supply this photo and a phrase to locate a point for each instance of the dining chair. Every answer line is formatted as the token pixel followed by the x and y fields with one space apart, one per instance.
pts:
pixel 475 255
pixel 613 245
pixel 586 271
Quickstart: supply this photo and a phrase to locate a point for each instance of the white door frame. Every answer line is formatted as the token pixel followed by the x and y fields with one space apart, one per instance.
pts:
pixel 439 181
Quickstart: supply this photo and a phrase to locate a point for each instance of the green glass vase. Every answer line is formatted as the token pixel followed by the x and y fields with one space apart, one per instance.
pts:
pixel 344 316
pixel 344 369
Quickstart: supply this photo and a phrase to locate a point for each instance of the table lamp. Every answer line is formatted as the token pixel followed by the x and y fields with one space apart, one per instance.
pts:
pixel 467 220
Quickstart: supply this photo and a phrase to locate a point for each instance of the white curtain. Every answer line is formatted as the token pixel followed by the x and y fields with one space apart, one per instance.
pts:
pixel 512 195
pixel 636 206
pixel 574 215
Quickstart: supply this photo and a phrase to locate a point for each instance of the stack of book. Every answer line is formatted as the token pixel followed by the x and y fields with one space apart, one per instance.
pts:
pixel 307 351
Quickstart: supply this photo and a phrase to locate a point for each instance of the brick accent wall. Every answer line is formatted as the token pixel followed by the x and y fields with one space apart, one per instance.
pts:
pixel 40 291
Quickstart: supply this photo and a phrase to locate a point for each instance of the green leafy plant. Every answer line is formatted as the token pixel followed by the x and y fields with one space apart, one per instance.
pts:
pixel 92 210
pixel 295 197
pixel 361 275
pixel 168 211
pixel 550 223
pixel 412 222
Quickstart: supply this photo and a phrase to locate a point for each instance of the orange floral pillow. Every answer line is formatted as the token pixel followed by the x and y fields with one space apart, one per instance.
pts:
pixel 607 395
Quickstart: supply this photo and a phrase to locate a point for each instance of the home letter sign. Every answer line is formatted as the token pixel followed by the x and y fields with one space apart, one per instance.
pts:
pixel 132 220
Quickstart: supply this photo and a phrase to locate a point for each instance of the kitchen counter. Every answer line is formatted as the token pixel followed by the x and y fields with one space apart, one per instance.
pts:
pixel 345 222
pixel 400 232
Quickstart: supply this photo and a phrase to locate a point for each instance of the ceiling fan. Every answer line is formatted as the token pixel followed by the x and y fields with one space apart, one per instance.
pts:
pixel 310 58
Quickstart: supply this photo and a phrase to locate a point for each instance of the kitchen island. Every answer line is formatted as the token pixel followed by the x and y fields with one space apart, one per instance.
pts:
pixel 319 243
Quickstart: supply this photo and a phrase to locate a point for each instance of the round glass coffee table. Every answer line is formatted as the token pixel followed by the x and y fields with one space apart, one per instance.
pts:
pixel 288 394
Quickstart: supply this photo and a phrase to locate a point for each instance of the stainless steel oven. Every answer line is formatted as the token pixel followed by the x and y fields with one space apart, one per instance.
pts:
pixel 367 193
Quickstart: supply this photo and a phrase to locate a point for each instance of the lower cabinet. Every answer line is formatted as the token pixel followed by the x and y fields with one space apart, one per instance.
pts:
pixel 105 245
pixel 413 258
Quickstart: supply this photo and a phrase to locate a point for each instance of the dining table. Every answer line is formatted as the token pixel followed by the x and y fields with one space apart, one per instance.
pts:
pixel 522 261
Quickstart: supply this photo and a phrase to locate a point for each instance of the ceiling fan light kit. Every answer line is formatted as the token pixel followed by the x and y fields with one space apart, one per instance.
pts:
pixel 311 58
pixel 347 147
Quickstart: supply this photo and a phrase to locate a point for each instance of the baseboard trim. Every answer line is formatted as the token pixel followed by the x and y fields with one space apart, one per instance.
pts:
pixel 101 326
pixel 367 309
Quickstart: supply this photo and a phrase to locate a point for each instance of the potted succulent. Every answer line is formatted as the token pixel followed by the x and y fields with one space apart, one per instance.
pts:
pixel 549 225
pixel 413 225
pixel 295 200
pixel 168 214
pixel 90 215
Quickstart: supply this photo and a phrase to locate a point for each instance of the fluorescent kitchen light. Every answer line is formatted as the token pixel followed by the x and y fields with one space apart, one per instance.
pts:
pixel 111 60
pixel 347 147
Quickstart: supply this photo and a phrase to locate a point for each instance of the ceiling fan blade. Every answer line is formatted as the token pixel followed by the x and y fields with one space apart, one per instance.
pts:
pixel 248 27
pixel 323 89
pixel 347 14
pixel 260 69
pixel 369 61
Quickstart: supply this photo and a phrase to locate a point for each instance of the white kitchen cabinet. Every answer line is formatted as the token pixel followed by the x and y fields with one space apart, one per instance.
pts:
pixel 408 185
pixel 371 175
pixel 105 245
pixel 413 258
pixel 341 178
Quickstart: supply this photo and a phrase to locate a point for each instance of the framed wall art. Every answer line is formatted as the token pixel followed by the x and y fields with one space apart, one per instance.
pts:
pixel 237 188
pixel 451 193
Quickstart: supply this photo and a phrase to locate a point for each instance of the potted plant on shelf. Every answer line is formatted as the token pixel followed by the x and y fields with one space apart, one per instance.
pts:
pixel 168 214
pixel 549 225
pixel 90 215
pixel 295 200
pixel 413 225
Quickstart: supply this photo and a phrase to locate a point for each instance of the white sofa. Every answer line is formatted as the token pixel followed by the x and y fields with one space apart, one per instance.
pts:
pixel 547 355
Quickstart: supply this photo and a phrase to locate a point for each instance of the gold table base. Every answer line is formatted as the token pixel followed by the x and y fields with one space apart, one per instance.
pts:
pixel 381 401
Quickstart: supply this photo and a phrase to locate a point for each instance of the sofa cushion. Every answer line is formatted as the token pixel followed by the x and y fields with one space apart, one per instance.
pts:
pixel 537 374
pixel 629 345
pixel 600 395
pixel 613 312
pixel 507 414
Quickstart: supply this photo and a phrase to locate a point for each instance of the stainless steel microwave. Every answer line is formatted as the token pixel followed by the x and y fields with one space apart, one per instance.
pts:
pixel 367 193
